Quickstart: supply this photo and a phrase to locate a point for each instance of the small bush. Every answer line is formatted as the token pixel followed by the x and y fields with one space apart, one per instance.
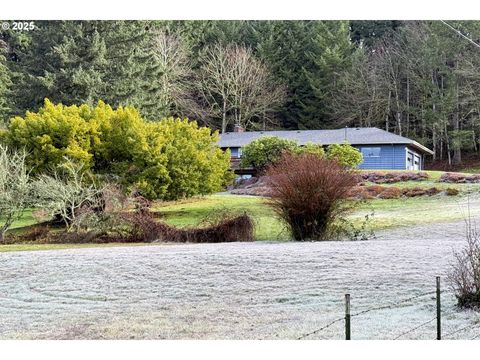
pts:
pixel 374 190
pixel 308 193
pixel 345 155
pixel 465 273
pixel 311 148
pixel 452 192
pixel 413 192
pixel 433 191
pixel 262 152
pixel 390 192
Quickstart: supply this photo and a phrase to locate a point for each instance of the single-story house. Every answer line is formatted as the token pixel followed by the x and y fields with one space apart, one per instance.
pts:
pixel 381 149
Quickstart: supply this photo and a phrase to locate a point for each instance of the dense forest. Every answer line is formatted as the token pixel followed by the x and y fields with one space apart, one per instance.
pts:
pixel 419 79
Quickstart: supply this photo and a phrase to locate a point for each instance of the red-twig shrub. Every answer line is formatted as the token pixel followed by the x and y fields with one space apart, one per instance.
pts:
pixel 308 192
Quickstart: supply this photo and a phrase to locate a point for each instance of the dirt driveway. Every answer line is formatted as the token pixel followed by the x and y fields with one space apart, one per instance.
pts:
pixel 232 291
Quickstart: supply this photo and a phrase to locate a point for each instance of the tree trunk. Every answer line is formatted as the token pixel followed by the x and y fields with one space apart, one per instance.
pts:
pixel 398 113
pixel 447 143
pixel 408 105
pixel 457 149
pixel 388 110
pixel 224 116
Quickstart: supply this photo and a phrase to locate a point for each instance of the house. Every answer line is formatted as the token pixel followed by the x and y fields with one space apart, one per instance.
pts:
pixel 380 149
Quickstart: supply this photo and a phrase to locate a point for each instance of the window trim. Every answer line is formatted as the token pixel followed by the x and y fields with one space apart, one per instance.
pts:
pixel 363 151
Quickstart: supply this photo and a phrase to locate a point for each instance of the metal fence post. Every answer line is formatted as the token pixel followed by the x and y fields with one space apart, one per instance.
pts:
pixel 347 316
pixel 439 312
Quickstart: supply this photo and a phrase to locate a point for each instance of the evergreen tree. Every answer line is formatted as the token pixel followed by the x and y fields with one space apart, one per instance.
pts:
pixel 65 62
pixel 284 46
pixel 127 70
pixel 330 54
pixel 5 84
pixel 369 32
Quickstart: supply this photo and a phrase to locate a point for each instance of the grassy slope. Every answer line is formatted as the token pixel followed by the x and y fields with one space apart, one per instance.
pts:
pixel 191 213
pixel 387 213
pixel 27 219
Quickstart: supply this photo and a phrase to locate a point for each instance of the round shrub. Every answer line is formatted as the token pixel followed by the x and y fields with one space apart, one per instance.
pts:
pixel 309 193
pixel 345 155
pixel 266 150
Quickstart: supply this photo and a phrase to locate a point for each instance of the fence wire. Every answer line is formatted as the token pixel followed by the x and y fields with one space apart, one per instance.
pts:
pixel 389 306
pixel 460 330
pixel 415 328
pixel 394 305
pixel 320 329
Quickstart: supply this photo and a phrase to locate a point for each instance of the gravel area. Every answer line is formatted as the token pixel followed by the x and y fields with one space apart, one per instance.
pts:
pixel 254 290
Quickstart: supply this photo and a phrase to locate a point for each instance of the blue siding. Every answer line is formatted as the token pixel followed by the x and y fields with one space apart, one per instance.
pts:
pixel 392 157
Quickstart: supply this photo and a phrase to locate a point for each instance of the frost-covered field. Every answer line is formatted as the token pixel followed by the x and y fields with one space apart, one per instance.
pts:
pixel 232 291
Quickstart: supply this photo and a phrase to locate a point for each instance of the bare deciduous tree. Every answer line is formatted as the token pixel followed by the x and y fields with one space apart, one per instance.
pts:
pixel 15 188
pixel 175 79
pixel 65 192
pixel 237 87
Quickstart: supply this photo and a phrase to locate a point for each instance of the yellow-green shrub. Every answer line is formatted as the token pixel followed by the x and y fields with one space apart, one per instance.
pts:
pixel 168 159
pixel 345 154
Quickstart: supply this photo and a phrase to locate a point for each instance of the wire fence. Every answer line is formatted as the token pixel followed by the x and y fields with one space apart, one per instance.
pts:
pixel 408 301
pixel 414 328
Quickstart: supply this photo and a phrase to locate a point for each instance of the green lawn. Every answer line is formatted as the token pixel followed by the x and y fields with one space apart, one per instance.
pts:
pixel 27 219
pixel 387 212
pixel 417 211
pixel 193 211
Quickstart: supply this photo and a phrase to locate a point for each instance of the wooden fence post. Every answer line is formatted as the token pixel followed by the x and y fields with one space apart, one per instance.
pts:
pixel 439 312
pixel 347 316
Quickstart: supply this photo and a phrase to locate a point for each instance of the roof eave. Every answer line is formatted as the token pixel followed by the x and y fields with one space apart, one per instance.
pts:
pixel 421 147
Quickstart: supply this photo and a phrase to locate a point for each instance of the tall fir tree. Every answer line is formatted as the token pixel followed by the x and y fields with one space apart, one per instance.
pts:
pixel 330 55
pixel 127 70
pixel 65 62
pixel 284 46
pixel 5 84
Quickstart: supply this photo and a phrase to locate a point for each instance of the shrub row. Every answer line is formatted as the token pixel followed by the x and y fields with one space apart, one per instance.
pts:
pixel 393 192
pixel 267 150
pixel 380 177
pixel 459 178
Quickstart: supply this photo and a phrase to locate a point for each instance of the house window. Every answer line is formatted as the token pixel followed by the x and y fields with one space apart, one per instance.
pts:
pixel 235 152
pixel 369 152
